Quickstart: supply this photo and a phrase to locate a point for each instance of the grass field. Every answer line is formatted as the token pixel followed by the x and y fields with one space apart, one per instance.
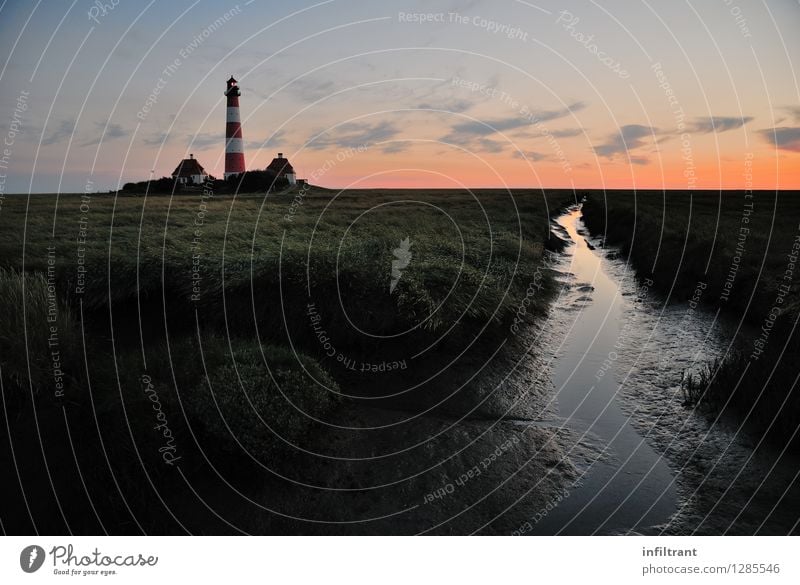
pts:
pixel 250 267
pixel 137 330
pixel 743 249
pixel 150 346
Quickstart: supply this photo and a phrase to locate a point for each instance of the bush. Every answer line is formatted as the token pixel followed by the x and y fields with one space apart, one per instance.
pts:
pixel 256 182
pixel 162 186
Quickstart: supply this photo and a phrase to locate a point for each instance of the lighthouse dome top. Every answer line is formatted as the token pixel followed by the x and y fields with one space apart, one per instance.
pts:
pixel 232 90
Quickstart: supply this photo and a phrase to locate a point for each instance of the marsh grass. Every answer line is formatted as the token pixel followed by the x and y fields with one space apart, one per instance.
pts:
pixel 232 356
pixel 681 239
pixel 259 400
pixel 37 330
pixel 261 262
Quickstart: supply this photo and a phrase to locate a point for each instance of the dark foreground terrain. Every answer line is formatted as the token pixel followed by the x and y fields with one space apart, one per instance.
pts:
pixel 212 364
pixel 322 362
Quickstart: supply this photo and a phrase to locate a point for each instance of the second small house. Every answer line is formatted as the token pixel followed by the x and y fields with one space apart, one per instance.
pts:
pixel 281 169
pixel 190 172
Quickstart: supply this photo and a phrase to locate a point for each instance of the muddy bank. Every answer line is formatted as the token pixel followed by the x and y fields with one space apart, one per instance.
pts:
pixel 466 477
pixel 487 469
pixel 728 480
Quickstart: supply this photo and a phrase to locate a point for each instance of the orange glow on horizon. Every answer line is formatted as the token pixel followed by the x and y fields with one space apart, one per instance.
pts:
pixel 766 172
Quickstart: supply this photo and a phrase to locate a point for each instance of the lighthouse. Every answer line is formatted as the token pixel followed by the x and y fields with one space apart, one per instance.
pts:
pixel 234 149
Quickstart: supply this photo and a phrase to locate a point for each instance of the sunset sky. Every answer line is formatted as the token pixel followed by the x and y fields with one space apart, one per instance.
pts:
pixel 473 93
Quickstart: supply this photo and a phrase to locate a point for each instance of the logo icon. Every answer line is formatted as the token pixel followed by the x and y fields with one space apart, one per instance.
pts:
pixel 403 256
pixel 31 558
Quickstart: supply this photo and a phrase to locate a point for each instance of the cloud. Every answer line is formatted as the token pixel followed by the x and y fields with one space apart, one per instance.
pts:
pixel 718 124
pixel 157 139
pixel 640 160
pixel 548 115
pixel 628 138
pixel 471 129
pixel 794 111
pixel 214 139
pixel 114 131
pixel 312 90
pixel 206 140
pixel 487 145
pixel 268 142
pixel 395 147
pixel 353 135
pixel 62 131
pixel 481 128
pixel 567 132
pixel 784 137
pixel 455 106
pixel 532 156
pixel 106 132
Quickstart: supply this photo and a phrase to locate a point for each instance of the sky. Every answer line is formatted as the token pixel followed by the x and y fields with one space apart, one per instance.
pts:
pixel 444 93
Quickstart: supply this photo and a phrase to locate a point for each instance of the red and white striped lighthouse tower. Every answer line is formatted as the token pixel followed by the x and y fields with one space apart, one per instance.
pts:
pixel 234 148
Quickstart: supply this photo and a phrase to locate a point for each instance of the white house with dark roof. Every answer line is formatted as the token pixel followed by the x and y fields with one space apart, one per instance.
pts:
pixel 190 172
pixel 281 168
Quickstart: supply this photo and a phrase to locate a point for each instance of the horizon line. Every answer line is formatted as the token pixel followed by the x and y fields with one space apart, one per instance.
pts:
pixel 467 188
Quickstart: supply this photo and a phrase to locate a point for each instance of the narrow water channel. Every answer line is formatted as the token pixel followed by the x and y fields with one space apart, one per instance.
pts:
pixel 619 352
pixel 631 486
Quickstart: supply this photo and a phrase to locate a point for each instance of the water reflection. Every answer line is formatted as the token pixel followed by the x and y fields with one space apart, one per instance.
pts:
pixel 631 488
pixel 621 351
